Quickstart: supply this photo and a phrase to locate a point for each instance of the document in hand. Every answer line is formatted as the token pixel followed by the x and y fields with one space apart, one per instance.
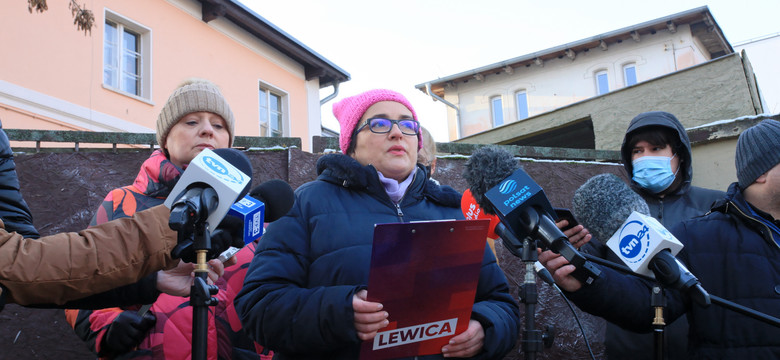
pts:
pixel 425 274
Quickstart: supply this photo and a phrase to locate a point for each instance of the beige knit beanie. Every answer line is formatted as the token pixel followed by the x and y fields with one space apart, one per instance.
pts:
pixel 192 96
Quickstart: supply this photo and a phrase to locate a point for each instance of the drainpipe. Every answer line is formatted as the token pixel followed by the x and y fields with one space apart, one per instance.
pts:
pixel 331 96
pixel 457 110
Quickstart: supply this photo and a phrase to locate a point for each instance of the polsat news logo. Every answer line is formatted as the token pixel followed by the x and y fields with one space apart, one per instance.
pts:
pixel 413 334
pixel 507 187
pixel 633 236
pixel 221 170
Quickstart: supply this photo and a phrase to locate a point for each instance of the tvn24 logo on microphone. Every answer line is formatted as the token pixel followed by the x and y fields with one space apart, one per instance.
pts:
pixel 211 169
pixel 639 239
pixel 222 170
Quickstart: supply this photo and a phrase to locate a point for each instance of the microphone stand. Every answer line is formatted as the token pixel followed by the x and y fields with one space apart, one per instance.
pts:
pixel 658 302
pixel 532 339
pixel 189 216
pixel 201 293
pixel 695 291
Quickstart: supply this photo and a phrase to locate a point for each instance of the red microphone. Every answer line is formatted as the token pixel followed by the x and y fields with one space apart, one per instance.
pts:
pixel 472 211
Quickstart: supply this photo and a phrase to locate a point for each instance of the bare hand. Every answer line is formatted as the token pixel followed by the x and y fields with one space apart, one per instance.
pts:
pixel 369 317
pixel 230 262
pixel 560 269
pixel 177 281
pixel 467 343
pixel 578 235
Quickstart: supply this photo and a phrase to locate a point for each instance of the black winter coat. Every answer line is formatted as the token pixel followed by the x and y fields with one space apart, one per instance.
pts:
pixel 297 294
pixel 735 257
pixel 13 209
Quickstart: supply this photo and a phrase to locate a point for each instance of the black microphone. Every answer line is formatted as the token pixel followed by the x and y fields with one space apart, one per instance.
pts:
pixel 604 203
pixel 501 188
pixel 278 198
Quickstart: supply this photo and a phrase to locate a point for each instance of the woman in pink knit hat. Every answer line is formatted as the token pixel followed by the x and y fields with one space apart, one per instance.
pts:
pixel 304 294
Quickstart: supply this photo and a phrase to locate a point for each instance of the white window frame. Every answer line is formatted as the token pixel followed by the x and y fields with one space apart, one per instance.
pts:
pixel 520 115
pixel 493 110
pixel 599 90
pixel 284 104
pixel 145 54
pixel 625 74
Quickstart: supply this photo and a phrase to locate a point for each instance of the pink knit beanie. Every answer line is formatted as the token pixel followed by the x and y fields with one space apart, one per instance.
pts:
pixel 349 110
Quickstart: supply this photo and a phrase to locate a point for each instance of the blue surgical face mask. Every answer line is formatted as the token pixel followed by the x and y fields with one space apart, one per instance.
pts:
pixel 654 173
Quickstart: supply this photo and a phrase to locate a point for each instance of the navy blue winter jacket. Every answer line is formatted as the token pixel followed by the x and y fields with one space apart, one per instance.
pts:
pixel 297 294
pixel 735 257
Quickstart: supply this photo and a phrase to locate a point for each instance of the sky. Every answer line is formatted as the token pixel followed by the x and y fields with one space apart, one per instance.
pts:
pixel 399 44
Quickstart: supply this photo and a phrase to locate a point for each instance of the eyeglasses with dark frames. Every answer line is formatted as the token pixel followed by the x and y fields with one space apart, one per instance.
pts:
pixel 383 126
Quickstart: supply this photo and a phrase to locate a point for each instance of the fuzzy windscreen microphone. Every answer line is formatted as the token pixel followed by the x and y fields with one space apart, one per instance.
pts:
pixel 603 203
pixel 486 168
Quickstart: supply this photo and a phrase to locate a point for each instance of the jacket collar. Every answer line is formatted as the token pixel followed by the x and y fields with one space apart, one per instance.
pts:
pixel 345 171
pixel 157 176
pixel 735 204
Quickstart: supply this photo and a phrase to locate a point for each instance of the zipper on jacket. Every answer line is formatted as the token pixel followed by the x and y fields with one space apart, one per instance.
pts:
pixel 398 205
pixel 398 209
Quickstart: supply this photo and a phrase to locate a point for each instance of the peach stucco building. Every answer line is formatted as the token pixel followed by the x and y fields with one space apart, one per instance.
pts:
pixel 118 77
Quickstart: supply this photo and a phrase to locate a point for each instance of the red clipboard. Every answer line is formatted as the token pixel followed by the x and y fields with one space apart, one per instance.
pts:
pixel 425 274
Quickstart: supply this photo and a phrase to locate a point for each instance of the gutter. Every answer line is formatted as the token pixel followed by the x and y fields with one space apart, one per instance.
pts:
pixel 331 96
pixel 457 110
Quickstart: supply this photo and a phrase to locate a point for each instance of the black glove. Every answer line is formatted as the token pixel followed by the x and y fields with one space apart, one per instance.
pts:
pixel 228 233
pixel 126 332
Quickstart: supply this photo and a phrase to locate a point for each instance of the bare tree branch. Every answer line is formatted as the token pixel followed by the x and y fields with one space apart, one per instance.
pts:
pixel 38 5
pixel 83 18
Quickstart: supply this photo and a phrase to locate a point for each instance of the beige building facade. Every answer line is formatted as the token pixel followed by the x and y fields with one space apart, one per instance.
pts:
pixel 118 76
pixel 518 89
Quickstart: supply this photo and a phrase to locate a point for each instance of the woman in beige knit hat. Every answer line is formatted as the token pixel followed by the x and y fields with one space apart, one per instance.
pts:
pixel 195 117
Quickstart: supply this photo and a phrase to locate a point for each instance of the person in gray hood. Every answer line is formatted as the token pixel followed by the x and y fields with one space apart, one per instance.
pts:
pixel 656 154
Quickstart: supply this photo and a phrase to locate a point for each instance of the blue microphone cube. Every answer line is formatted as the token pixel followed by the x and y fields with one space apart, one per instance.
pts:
pixel 252 212
pixel 515 192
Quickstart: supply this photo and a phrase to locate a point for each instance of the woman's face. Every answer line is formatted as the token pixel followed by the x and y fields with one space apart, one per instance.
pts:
pixel 193 133
pixel 394 154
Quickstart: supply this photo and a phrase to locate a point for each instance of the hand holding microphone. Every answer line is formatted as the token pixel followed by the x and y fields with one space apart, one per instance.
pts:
pixel 619 217
pixel 501 188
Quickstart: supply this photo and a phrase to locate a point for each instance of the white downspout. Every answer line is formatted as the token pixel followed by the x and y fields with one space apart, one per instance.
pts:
pixel 457 110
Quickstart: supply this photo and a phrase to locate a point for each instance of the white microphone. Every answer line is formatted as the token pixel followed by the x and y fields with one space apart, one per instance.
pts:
pixel 639 239
pixel 225 171
pixel 645 246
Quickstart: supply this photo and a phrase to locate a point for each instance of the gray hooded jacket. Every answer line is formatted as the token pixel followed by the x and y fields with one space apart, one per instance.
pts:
pixel 688 201
pixel 685 203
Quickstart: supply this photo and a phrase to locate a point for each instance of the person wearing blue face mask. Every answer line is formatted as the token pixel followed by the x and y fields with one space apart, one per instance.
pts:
pixel 654 173
pixel 656 154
